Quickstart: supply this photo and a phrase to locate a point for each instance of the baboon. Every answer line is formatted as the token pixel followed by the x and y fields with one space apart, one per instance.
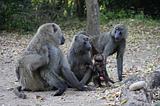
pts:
pixel 153 79
pixel 93 50
pixel 100 73
pixel 79 57
pixel 114 42
pixel 43 66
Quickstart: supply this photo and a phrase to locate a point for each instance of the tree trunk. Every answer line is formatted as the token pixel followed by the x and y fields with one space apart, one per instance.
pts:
pixel 93 20
pixel 92 17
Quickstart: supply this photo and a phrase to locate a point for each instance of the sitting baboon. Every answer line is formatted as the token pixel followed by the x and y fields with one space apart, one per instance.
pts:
pixel 99 71
pixel 79 57
pixel 114 42
pixel 43 66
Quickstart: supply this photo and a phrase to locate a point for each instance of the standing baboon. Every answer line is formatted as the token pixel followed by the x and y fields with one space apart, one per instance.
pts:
pixel 114 42
pixel 99 71
pixel 43 66
pixel 79 57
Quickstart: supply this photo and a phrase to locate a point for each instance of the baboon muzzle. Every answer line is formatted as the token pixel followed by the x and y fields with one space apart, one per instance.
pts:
pixel 89 48
pixel 117 35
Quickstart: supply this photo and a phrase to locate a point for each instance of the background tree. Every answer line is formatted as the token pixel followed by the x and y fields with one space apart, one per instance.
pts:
pixel 26 15
pixel 93 20
pixel 80 8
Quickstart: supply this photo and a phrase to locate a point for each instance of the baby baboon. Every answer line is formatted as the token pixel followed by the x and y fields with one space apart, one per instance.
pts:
pixel 43 66
pixel 79 57
pixel 100 73
pixel 114 42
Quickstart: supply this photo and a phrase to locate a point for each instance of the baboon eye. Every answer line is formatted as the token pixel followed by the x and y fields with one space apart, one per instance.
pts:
pixel 76 38
pixel 87 39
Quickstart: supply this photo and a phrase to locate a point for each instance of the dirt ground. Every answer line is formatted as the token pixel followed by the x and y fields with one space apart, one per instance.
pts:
pixel 142 56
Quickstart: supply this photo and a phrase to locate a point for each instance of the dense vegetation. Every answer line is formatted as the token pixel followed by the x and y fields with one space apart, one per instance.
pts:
pixel 25 15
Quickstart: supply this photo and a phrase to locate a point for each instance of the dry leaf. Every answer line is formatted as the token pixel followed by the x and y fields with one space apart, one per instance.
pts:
pixel 124 101
pixel 39 97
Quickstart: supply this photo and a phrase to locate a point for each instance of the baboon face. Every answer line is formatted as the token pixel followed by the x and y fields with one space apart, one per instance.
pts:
pixel 83 41
pixel 119 32
pixel 58 34
pixel 98 58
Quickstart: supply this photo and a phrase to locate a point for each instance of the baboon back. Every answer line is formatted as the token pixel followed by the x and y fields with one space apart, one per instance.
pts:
pixel 43 66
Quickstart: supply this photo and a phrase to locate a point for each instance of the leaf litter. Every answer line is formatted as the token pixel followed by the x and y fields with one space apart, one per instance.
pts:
pixel 142 56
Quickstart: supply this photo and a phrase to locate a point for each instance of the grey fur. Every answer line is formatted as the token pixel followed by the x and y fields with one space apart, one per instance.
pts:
pixel 79 57
pixel 43 66
pixel 108 44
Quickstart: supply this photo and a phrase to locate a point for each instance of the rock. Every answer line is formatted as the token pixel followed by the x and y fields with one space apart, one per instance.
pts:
pixel 137 85
pixel 133 78
pixel 135 98
pixel 157 104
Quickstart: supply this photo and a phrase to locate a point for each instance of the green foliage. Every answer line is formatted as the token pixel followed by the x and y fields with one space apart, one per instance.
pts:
pixel 107 16
pixel 2 12
pixel 122 14
pixel 16 15
pixel 20 22
pixel 27 15
pixel 140 16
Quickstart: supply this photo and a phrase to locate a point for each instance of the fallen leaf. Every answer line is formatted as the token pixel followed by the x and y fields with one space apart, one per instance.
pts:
pixel 124 101
pixel 39 97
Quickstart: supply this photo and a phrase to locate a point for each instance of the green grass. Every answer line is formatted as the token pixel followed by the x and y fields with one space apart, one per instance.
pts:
pixel 130 15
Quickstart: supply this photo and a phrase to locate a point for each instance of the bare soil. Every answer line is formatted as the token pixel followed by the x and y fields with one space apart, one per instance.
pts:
pixel 142 56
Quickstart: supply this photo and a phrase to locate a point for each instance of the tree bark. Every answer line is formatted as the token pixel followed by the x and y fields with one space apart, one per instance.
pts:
pixel 93 20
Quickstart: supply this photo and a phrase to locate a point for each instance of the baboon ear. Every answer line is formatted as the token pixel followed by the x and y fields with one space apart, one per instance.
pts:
pixel 54 28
